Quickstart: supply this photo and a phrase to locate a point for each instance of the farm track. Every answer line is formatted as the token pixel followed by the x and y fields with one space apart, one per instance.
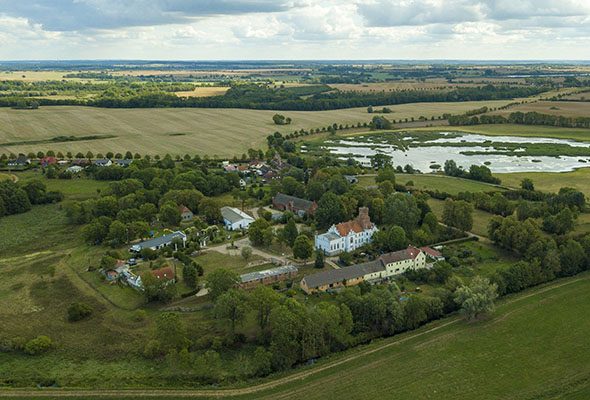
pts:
pixel 187 393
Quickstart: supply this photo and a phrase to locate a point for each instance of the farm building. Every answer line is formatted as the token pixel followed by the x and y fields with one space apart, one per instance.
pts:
pixel 294 204
pixel 185 213
pixel 432 254
pixel 268 276
pixel 347 236
pixel 234 218
pixel 159 242
pixel 385 267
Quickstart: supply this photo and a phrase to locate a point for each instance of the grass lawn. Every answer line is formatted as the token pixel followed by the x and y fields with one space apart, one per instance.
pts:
pixel 480 218
pixel 73 189
pixel 212 260
pixel 551 181
pixel 441 183
pixel 222 132
pixel 532 347
pixel 488 259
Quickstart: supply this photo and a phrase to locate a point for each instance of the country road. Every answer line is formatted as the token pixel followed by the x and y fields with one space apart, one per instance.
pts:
pixel 218 393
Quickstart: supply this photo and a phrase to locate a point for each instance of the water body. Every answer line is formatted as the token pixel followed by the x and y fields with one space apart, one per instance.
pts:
pixel 423 157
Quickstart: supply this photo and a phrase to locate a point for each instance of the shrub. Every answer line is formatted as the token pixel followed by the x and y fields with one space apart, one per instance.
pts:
pixel 39 345
pixel 78 312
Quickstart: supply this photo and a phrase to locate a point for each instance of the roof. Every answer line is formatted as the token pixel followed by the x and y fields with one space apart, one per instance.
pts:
pixel 163 273
pixel 184 209
pixel 345 227
pixel 234 215
pixel 431 252
pixel 102 161
pixel 124 161
pixel 285 199
pixel 254 276
pixel 330 236
pixel 158 241
pixel 346 273
pixel 407 254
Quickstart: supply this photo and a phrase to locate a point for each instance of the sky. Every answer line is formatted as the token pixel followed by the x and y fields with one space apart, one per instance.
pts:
pixel 295 29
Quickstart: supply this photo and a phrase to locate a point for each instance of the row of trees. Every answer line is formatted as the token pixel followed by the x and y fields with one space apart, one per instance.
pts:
pixel 529 118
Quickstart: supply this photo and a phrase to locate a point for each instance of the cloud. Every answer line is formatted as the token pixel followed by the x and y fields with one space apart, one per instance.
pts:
pixel 73 15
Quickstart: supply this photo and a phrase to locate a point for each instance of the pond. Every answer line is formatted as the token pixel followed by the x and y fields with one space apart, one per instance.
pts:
pixel 426 153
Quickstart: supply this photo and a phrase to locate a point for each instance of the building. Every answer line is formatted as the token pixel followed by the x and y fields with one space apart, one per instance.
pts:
pixel 234 218
pixel 383 268
pixel 105 162
pixel 432 254
pixel 268 276
pixel 74 169
pixel 347 236
pixel 166 274
pixel 185 213
pixel 159 242
pixel 48 160
pixel 123 162
pixel 352 179
pixel 20 161
pixel 294 204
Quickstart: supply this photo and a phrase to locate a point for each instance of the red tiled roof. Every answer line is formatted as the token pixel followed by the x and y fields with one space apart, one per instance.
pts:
pixel 164 273
pixel 183 209
pixel 345 227
pixel 431 252
pixel 407 254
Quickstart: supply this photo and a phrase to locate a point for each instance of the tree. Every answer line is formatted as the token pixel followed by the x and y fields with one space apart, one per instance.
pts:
pixel 118 234
pixel 393 239
pixel 171 332
pixel 330 210
pixel 527 184
pixel 231 305
pixel 260 232
pixel 573 258
pixel 170 214
pixel 386 174
pixel 401 209
pixel 319 259
pixel 220 281
pixel 79 311
pixel 39 345
pixel 246 252
pixel 156 289
pixel 263 299
pixel 477 298
pixel 189 275
pixel 290 232
pixel 261 362
pixel 458 214
pixel 302 248
pixel 209 208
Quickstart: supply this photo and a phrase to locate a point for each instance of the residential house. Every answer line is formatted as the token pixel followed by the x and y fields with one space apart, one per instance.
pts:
pixel 104 162
pixel 166 273
pixel 294 204
pixel 185 213
pixel 432 254
pixel 74 169
pixel 351 179
pixel 123 162
pixel 347 236
pixel 46 161
pixel 386 266
pixel 20 161
pixel 159 242
pixel 268 277
pixel 234 218
pixel 81 162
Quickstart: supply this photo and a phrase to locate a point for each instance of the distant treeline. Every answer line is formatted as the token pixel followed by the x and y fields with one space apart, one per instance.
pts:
pixel 529 118
pixel 262 97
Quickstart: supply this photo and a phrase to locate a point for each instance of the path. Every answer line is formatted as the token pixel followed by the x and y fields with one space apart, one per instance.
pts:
pixel 239 244
pixel 186 393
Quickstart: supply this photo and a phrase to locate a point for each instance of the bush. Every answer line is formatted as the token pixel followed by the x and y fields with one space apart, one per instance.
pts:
pixel 78 312
pixel 39 345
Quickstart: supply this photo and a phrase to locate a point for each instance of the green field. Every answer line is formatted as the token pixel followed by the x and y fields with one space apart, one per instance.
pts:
pixel 480 218
pixel 441 183
pixel 222 132
pixel 551 181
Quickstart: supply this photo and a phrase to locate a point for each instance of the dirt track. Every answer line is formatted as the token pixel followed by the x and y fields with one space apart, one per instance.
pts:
pixel 180 393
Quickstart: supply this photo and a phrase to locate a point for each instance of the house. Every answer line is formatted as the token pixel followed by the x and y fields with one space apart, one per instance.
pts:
pixel 166 273
pixel 268 277
pixel 105 162
pixel 347 236
pixel 132 280
pixel 123 162
pixel 432 254
pixel 20 161
pixel 351 179
pixel 81 162
pixel 230 168
pixel 74 169
pixel 234 218
pixel 383 268
pixel 45 161
pixel 185 213
pixel 294 204
pixel 159 242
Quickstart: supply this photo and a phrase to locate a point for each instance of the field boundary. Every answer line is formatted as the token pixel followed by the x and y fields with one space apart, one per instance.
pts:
pixel 231 392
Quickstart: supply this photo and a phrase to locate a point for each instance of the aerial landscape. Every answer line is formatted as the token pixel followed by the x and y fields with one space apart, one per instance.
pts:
pixel 366 199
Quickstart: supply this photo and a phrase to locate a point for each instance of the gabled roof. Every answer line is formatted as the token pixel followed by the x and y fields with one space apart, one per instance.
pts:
pixel 342 274
pixel 298 203
pixel 164 273
pixel 431 252
pixel 234 215
pixel 345 227
pixel 184 209
pixel 254 276
pixel 407 254
pixel 166 239
pixel 103 161
pixel 124 161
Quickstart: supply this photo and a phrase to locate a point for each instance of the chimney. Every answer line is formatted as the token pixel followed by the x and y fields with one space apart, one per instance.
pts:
pixel 363 219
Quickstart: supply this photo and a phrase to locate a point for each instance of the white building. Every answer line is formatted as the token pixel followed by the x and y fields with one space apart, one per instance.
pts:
pixel 347 236
pixel 160 242
pixel 234 218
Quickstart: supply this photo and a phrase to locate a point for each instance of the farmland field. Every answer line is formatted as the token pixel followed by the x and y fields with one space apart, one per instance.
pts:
pixel 551 182
pixel 441 183
pixel 204 91
pixel 222 132
pixel 565 108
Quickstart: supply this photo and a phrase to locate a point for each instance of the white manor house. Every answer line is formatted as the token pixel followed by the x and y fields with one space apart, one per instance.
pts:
pixel 347 236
